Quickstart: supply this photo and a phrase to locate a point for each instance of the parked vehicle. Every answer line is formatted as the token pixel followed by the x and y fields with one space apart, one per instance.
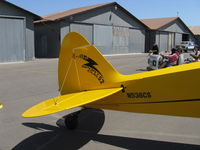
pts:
pixel 187 45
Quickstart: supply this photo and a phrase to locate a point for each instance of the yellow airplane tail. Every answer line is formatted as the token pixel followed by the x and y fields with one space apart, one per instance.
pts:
pixel 84 76
pixel 82 67
pixel 86 79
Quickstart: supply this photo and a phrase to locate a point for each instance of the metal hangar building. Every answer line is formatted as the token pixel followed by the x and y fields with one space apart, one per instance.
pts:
pixel 16 33
pixel 167 32
pixel 110 27
pixel 196 31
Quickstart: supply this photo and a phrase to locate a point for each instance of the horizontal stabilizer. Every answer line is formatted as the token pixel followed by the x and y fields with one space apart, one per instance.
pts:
pixel 68 101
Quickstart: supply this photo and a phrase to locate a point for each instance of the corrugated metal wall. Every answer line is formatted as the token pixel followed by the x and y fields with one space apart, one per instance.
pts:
pixel 120 40
pixel 166 40
pixel 85 29
pixel 103 37
pixel 47 40
pixel 158 39
pixel 176 26
pixel 30 40
pixel 64 29
pixel 44 46
pixel 108 15
pixel 9 11
pixel 136 41
pixel 163 41
pixel 12 39
pixel 178 38
pixel 171 41
pixel 150 39
pixel 109 39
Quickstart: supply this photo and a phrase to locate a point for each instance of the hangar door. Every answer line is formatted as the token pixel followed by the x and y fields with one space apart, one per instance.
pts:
pixel 163 45
pixel 178 38
pixel 12 39
pixel 136 41
pixel 171 41
pixel 85 29
pixel 120 40
pixel 103 38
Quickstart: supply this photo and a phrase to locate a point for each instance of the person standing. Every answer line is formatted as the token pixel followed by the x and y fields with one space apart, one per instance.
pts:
pixel 154 50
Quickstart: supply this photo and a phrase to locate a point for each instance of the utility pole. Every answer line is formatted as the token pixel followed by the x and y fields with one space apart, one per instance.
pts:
pixel 177 13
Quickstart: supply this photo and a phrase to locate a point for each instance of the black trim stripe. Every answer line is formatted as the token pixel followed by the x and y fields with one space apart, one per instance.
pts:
pixel 174 101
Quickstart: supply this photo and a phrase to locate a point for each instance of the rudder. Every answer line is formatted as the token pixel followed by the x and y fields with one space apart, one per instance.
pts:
pixel 82 67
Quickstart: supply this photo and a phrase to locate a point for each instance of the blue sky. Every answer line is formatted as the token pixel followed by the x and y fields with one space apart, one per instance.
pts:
pixel 187 10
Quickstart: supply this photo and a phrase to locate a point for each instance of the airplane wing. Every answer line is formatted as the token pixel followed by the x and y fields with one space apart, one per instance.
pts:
pixel 68 101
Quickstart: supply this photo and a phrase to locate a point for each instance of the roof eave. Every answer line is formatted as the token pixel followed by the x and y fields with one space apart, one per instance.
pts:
pixel 167 23
pixel 67 16
pixel 35 16
pixel 42 21
pixel 108 4
pixel 84 11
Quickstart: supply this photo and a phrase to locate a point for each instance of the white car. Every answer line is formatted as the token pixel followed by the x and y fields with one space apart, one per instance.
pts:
pixel 187 45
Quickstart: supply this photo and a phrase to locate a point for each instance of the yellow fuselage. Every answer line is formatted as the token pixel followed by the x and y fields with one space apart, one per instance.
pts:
pixel 171 91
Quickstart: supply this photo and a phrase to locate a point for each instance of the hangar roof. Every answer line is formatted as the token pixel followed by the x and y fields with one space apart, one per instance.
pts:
pixel 67 13
pixel 195 30
pixel 71 12
pixel 157 23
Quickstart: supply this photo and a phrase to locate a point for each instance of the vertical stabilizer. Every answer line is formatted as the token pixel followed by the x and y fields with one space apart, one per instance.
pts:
pixel 82 67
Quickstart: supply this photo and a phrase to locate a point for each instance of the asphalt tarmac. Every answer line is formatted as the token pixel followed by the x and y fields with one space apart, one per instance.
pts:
pixel 25 84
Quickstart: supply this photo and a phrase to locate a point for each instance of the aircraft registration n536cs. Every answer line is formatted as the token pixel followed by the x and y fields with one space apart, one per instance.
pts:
pixel 86 79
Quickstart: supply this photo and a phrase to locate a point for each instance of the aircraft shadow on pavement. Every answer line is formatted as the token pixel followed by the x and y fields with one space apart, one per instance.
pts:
pixel 91 122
